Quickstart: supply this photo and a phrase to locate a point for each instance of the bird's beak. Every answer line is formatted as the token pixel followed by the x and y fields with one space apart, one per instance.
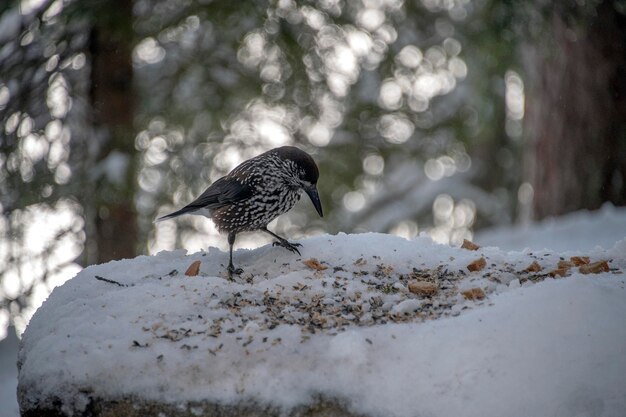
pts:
pixel 315 199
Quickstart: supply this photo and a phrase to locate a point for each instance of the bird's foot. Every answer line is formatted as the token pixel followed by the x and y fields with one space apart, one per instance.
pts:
pixel 293 247
pixel 232 270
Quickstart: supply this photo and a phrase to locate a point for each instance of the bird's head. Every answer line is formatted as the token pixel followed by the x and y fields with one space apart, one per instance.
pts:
pixel 304 174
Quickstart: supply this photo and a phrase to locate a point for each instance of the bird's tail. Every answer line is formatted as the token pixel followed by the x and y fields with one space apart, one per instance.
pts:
pixel 180 212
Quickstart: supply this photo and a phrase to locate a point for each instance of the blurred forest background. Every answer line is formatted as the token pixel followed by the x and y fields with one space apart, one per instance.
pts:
pixel 436 116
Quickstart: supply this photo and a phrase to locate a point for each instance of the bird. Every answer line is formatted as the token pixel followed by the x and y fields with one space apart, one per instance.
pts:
pixel 256 192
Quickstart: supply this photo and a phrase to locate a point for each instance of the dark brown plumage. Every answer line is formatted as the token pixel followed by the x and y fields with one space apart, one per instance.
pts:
pixel 255 193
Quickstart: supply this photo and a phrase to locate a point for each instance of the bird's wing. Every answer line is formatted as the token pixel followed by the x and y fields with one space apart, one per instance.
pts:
pixel 226 190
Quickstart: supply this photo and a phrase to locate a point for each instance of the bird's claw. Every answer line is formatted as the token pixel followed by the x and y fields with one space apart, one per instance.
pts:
pixel 293 247
pixel 232 270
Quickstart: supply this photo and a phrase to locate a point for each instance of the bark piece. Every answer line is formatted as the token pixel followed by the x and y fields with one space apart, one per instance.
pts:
pixel 473 294
pixel 561 272
pixel 423 288
pixel 579 260
pixel 314 264
pixel 534 267
pixel 594 268
pixel 565 264
pixel 477 265
pixel 469 245
pixel 193 269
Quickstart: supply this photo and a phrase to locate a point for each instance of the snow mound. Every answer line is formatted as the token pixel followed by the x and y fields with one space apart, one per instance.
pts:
pixel 383 325
pixel 580 230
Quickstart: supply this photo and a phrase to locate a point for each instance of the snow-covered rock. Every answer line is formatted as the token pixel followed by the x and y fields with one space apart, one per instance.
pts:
pixel 337 331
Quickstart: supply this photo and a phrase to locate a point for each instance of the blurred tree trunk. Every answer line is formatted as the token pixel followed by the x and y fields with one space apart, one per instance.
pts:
pixel 576 113
pixel 115 232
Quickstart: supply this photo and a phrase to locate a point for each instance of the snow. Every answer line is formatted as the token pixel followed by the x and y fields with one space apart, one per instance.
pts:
pixel 580 230
pixel 345 327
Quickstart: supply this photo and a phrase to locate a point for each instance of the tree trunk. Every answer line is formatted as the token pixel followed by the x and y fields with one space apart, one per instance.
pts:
pixel 576 113
pixel 115 234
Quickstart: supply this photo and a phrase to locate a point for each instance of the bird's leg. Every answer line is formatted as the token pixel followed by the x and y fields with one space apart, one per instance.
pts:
pixel 283 242
pixel 231 268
